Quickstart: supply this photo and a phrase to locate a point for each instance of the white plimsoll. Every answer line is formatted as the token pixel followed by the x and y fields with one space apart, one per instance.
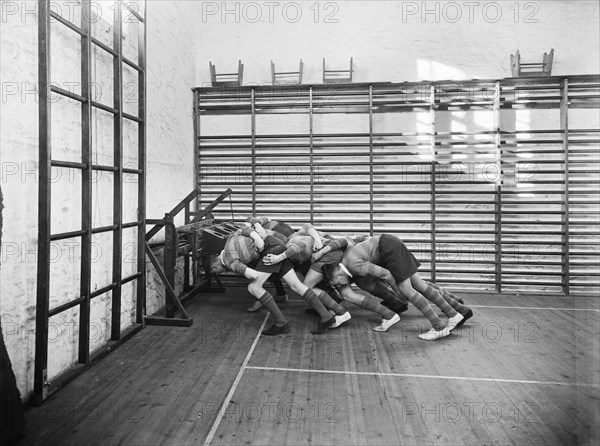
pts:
pixel 434 334
pixel 387 323
pixel 339 320
pixel 454 320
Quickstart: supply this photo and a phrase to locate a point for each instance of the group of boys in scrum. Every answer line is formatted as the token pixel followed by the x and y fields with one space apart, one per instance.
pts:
pixel 382 266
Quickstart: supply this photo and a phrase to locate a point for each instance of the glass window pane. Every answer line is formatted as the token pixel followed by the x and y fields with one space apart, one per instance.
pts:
pixel 65 58
pixel 102 85
pixel 102 21
pixel 102 137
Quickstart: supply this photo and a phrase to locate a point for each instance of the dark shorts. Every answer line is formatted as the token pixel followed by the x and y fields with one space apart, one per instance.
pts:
pixel 302 267
pixel 279 236
pixel 272 246
pixel 283 228
pixel 327 259
pixel 396 258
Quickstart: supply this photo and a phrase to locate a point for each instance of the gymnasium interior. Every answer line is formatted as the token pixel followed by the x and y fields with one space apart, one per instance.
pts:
pixel 138 136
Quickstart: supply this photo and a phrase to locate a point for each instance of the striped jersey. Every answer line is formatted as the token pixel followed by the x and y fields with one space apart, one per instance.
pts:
pixel 364 259
pixel 299 248
pixel 239 250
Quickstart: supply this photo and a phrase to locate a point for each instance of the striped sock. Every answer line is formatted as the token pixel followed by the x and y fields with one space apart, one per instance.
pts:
pixel 445 293
pixel 387 294
pixel 371 303
pixel 423 305
pixel 331 304
pixel 311 299
pixel 433 295
pixel 268 302
pixel 462 309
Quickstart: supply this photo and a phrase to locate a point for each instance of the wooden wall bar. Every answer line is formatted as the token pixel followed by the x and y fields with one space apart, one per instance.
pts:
pixel 492 183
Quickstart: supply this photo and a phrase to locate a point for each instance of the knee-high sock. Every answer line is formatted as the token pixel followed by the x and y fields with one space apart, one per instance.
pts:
pixel 462 309
pixel 279 289
pixel 311 299
pixel 268 302
pixel 371 303
pixel 444 292
pixel 385 293
pixel 433 295
pixel 423 305
pixel 331 304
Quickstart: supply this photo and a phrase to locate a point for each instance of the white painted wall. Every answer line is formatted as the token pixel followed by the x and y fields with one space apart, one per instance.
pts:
pixel 397 40
pixel 170 76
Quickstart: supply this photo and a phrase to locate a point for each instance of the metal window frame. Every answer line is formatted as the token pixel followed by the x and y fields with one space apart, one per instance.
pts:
pixel 42 388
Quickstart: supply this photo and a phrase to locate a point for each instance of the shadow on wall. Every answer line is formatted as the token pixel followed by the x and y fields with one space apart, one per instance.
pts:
pixel 12 421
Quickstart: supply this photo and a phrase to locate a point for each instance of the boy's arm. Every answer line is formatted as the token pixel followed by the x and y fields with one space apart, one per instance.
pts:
pixel 340 243
pixel 238 267
pixel 364 268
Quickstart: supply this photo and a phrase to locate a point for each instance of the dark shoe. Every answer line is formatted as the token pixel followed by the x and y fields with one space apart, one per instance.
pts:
pixel 460 300
pixel 281 298
pixel 311 310
pixel 254 307
pixel 322 326
pixel 276 329
pixel 466 316
pixel 395 307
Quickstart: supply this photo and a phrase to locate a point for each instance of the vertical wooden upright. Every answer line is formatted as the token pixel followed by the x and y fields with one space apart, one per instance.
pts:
pixel 43 267
pixel 371 193
pixel 498 197
pixel 433 173
pixel 311 143
pixel 564 126
pixel 141 254
pixel 86 184
pixel 115 331
pixel 170 257
pixel 253 136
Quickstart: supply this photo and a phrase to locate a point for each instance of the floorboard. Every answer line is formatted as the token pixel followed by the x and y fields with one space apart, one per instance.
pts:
pixel 524 370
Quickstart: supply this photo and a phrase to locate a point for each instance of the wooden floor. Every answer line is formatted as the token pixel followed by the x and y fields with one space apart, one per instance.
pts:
pixel 524 370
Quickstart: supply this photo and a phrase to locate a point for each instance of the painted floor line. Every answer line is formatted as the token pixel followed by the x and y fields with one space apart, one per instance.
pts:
pixel 533 308
pixel 410 375
pixel 223 409
pixel 505 307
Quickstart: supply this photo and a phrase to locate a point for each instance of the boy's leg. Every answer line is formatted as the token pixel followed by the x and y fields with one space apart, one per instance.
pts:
pixel 459 314
pixel 446 294
pixel 279 289
pixel 367 302
pixel 311 298
pixel 465 312
pixel 422 304
pixel 431 294
pixel 311 280
pixel 281 295
pixel 375 287
pixel 256 288
pixel 371 303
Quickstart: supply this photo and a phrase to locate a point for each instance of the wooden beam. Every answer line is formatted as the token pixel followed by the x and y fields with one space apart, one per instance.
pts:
pixel 168 287
pixel 86 185
pixel 182 204
pixel 117 267
pixel 44 202
pixel 564 126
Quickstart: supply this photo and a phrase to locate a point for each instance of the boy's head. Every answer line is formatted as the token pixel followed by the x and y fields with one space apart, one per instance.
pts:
pixel 335 275
pixel 216 266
